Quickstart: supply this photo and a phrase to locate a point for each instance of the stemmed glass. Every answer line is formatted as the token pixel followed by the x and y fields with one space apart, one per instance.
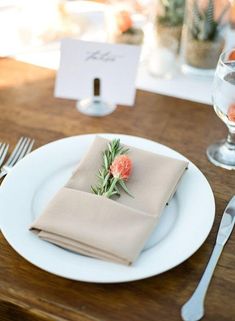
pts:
pixel 222 153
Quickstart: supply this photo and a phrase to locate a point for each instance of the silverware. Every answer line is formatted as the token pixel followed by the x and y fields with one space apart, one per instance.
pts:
pixel 3 152
pixel 193 309
pixel 23 147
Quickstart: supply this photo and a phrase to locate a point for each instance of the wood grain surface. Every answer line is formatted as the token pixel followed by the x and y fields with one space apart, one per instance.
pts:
pixel 27 107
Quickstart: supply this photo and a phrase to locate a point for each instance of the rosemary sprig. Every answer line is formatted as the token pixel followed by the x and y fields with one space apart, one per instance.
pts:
pixel 107 184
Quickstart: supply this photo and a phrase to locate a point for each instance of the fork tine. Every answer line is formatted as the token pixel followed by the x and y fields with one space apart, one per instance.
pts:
pixel 20 151
pixel 2 146
pixel 3 152
pixel 16 151
pixel 27 149
pixel 30 147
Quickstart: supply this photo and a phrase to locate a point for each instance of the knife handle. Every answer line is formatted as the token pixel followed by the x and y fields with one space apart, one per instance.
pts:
pixel 193 309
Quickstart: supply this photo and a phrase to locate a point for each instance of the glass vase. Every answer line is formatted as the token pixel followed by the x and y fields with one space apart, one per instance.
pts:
pixel 167 28
pixel 204 35
pixel 169 21
pixel 126 19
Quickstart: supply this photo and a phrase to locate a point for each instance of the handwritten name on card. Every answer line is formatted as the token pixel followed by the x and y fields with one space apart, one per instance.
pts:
pixel 98 55
pixel 81 62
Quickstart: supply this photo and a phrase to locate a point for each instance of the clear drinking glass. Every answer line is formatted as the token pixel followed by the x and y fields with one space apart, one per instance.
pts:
pixel 222 153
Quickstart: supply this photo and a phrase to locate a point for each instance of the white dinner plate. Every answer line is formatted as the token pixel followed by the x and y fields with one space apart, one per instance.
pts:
pixel 25 192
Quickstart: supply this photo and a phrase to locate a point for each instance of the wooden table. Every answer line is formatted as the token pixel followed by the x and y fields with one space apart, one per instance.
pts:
pixel 27 107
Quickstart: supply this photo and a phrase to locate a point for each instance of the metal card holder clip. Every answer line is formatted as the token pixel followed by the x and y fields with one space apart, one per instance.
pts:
pixel 95 106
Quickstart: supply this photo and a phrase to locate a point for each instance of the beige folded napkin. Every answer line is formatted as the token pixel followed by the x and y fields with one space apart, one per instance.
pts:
pixel 114 230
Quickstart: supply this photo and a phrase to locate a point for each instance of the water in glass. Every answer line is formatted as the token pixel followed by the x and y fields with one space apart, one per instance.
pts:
pixel 222 153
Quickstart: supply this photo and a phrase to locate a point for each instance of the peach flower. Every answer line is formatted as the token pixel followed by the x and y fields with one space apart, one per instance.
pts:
pixel 121 167
pixel 231 112
pixel 124 21
pixel 231 56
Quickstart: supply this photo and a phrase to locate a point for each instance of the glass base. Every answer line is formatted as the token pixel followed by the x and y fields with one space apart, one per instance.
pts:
pixel 222 154
pixel 188 70
pixel 95 107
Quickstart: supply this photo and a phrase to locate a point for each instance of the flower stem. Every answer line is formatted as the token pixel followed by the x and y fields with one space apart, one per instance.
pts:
pixel 110 190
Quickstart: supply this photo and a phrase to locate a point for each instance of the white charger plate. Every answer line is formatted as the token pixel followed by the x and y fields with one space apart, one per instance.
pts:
pixel 25 192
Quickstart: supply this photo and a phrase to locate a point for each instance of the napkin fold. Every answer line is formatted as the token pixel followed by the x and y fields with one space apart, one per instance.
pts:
pixel 110 229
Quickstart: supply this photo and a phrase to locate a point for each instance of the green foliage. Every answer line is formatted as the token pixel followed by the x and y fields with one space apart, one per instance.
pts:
pixel 108 185
pixel 204 26
pixel 173 13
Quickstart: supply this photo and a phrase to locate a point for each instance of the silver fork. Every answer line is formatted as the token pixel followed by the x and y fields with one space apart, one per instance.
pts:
pixel 23 147
pixel 3 151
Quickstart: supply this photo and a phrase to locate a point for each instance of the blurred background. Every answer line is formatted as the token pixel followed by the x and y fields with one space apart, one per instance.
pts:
pixel 180 39
pixel 30 23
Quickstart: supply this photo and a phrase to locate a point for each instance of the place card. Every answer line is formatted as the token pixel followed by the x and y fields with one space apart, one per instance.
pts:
pixel 81 62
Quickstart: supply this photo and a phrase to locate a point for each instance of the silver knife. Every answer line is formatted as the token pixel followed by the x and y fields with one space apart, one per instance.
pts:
pixel 193 309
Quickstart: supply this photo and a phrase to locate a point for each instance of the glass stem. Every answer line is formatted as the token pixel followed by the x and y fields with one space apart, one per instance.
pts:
pixel 231 140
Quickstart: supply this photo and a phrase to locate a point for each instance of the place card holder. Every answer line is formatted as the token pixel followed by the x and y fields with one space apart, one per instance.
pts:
pixel 95 106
